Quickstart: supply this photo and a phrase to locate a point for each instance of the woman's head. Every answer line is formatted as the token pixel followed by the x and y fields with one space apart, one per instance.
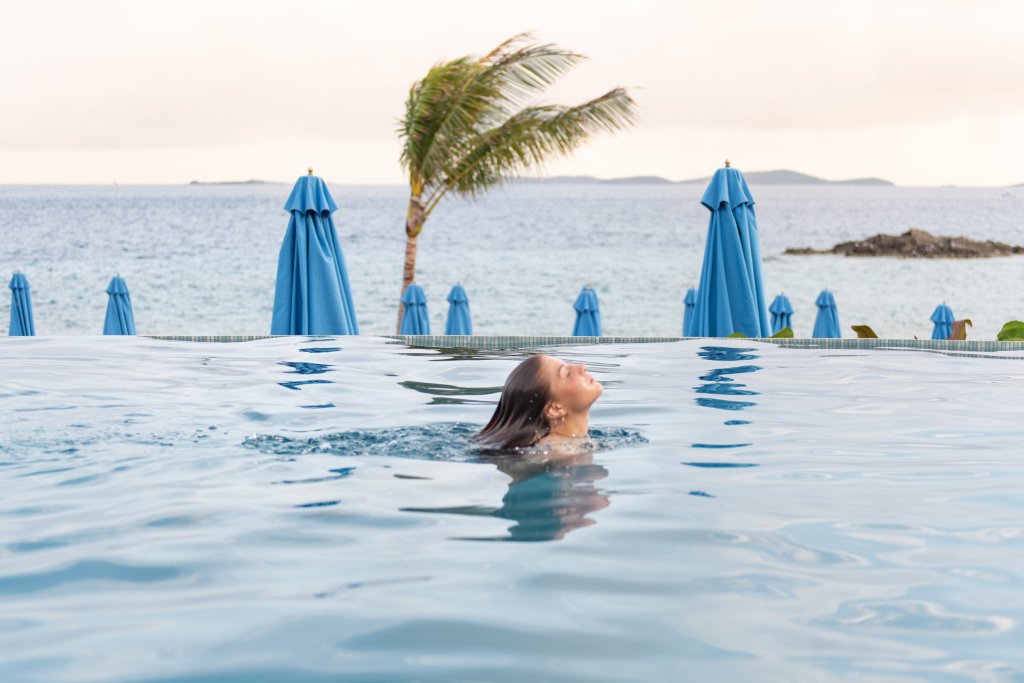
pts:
pixel 540 392
pixel 571 388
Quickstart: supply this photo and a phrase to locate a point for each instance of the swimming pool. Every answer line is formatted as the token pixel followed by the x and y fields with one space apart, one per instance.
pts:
pixel 306 510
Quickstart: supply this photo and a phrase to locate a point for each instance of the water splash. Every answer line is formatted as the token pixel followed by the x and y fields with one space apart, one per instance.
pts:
pixel 446 441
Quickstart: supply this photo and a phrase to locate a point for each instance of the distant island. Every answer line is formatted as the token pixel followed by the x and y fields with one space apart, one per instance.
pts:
pixel 915 243
pixel 781 177
pixel 235 182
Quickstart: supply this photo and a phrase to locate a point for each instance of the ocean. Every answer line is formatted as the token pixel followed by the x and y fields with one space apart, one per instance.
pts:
pixel 202 259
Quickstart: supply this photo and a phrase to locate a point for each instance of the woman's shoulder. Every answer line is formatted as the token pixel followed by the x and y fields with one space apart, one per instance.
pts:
pixel 558 445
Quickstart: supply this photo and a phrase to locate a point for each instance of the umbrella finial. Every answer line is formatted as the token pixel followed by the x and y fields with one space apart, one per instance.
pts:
pixel 727 164
pixel 309 171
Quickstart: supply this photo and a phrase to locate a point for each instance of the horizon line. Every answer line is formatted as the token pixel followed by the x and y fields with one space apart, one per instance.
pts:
pixel 596 180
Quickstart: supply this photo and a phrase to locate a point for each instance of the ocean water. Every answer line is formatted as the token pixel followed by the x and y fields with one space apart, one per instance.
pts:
pixel 309 510
pixel 202 260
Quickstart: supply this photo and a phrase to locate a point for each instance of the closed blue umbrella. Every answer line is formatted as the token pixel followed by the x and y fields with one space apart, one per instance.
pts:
pixel 312 295
pixel 689 318
pixel 826 325
pixel 415 319
pixel 730 296
pixel 22 324
pixel 120 319
pixel 943 319
pixel 588 314
pixel 782 313
pixel 459 320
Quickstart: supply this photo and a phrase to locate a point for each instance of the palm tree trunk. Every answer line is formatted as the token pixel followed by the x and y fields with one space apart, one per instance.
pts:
pixel 414 219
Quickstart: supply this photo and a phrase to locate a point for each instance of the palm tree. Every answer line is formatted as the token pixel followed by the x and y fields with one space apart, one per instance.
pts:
pixel 467 128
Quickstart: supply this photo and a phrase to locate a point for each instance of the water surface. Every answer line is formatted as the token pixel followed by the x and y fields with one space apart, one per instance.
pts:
pixel 202 259
pixel 196 512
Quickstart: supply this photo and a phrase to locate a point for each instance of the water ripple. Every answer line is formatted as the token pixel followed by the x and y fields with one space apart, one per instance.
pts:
pixel 89 570
pixel 918 616
pixel 442 441
pixel 193 513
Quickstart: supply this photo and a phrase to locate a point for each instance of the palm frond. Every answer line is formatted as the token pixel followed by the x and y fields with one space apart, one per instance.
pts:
pixel 530 69
pixel 528 139
pixel 458 100
pixel 426 98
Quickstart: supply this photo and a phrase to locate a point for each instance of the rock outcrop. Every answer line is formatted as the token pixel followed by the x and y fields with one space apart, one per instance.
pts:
pixel 917 244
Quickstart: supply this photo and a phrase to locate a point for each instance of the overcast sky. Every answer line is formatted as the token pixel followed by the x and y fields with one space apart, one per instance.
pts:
pixel 921 92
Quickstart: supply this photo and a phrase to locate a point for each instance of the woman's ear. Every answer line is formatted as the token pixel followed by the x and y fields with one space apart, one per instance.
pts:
pixel 554 411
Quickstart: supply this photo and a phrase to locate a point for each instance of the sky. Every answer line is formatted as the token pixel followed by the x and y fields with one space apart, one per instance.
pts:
pixel 919 92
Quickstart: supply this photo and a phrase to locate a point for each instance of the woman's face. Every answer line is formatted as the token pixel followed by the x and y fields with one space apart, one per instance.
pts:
pixel 571 384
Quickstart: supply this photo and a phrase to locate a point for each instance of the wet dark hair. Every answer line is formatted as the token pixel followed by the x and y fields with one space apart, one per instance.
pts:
pixel 518 421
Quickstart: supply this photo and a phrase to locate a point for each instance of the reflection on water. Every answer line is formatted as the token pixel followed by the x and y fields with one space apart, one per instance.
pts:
pixel 336 473
pixel 435 389
pixel 720 381
pixel 723 404
pixel 547 498
pixel 726 353
pixel 294 386
pixel 450 394
pixel 548 495
pixel 307 368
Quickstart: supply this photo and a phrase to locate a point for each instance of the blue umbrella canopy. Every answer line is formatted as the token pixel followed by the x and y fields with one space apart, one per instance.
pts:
pixel 730 296
pixel 943 318
pixel 312 295
pixel 120 319
pixel 782 313
pixel 459 320
pixel 22 323
pixel 414 319
pixel 826 325
pixel 588 314
pixel 689 304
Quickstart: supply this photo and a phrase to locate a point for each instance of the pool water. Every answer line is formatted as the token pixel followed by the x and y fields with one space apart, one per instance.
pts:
pixel 309 509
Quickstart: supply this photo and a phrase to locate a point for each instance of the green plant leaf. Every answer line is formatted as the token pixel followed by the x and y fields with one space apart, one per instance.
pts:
pixel 864 332
pixel 474 122
pixel 784 333
pixel 959 332
pixel 467 123
pixel 1012 331
pixel 737 335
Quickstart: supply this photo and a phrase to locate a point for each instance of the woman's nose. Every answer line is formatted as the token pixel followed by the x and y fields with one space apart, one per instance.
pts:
pixel 581 368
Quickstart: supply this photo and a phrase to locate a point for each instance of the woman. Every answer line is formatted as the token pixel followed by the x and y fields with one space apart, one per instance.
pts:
pixel 545 402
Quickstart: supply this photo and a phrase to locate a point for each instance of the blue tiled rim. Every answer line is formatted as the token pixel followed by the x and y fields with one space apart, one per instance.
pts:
pixel 520 342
